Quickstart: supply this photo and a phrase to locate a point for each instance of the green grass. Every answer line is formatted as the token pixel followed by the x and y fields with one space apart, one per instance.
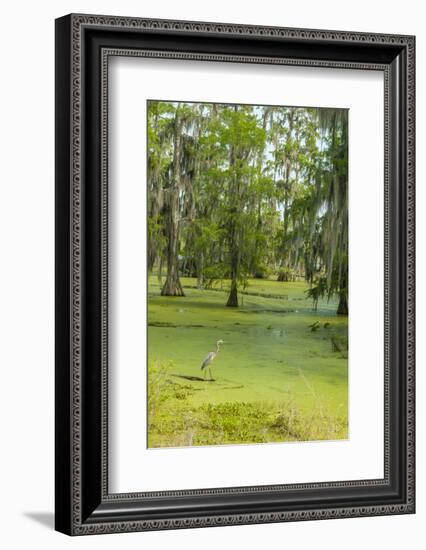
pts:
pixel 275 378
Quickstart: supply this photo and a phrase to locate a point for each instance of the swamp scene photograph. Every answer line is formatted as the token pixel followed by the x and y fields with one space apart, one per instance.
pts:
pixel 247 223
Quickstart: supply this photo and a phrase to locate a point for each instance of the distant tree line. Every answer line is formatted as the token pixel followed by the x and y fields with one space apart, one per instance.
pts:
pixel 240 191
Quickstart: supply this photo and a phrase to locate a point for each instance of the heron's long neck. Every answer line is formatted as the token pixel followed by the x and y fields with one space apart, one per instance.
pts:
pixel 217 347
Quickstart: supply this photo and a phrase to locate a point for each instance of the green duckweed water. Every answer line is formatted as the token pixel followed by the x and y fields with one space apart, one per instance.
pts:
pixel 275 379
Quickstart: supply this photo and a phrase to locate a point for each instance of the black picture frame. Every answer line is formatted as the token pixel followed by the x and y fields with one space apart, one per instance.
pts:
pixel 83 45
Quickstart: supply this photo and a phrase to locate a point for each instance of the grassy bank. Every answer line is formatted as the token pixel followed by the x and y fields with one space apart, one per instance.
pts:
pixel 175 421
pixel 281 375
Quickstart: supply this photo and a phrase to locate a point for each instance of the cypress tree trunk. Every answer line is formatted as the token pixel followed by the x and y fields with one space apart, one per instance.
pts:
pixel 160 271
pixel 233 295
pixel 235 264
pixel 342 308
pixel 172 286
pixel 288 169
pixel 233 232
pixel 200 271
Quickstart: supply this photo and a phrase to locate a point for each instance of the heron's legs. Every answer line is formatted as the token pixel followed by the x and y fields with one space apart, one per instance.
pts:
pixel 210 372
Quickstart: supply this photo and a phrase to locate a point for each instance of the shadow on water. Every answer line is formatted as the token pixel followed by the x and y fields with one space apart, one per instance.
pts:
pixel 220 384
pixel 191 378
pixel 183 304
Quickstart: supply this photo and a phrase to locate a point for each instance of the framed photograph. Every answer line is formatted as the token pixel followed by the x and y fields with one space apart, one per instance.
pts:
pixel 234 274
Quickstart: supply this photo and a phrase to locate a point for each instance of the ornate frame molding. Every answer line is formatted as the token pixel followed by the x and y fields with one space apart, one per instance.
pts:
pixel 72 46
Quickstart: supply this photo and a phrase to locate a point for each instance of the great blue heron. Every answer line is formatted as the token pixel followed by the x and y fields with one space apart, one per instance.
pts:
pixel 210 356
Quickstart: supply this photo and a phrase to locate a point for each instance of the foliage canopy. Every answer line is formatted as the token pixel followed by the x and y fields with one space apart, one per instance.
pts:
pixel 240 191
